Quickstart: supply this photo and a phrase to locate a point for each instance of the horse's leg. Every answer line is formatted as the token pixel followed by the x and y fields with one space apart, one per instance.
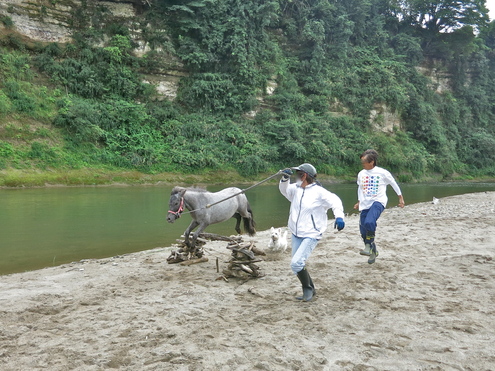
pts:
pixel 245 211
pixel 200 229
pixel 193 225
pixel 238 217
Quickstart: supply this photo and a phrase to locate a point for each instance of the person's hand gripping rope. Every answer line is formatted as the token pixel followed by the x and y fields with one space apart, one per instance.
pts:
pixel 286 173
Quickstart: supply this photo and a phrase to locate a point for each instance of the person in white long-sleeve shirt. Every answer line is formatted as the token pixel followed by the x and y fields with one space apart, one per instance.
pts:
pixel 372 199
pixel 308 219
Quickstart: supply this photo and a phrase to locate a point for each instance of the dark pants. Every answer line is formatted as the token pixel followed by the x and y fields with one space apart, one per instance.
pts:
pixel 367 221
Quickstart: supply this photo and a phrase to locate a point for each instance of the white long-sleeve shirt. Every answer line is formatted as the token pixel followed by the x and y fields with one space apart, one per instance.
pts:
pixel 372 187
pixel 308 208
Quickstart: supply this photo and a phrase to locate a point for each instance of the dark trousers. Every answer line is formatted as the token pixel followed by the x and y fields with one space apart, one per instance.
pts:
pixel 367 221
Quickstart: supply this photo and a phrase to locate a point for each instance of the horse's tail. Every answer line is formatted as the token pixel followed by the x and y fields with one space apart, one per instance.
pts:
pixel 249 223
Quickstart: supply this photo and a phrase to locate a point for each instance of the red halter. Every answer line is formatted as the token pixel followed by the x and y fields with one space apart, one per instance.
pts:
pixel 179 210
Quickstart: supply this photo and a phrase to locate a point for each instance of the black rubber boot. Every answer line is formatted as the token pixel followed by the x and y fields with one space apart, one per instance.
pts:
pixel 307 285
pixel 312 285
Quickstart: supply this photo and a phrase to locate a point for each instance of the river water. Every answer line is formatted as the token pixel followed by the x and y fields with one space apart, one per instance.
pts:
pixel 44 227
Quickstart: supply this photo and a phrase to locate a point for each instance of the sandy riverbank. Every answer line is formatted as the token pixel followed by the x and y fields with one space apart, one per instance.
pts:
pixel 427 303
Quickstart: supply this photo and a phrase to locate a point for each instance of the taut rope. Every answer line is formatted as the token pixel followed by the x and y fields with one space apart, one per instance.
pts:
pixel 236 194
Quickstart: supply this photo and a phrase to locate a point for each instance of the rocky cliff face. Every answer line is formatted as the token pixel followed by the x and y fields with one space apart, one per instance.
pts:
pixel 54 21
pixel 436 71
pixel 383 118
pixel 39 21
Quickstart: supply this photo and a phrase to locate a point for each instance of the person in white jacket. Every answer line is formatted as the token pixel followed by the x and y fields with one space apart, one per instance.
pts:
pixel 372 199
pixel 308 219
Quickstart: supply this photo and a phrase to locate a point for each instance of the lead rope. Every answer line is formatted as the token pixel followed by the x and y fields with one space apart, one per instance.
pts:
pixel 236 194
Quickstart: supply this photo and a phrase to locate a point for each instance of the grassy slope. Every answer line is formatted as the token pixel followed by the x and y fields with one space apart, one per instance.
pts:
pixel 35 153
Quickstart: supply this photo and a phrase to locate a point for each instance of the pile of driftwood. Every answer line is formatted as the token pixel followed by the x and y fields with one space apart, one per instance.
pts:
pixel 242 263
pixel 190 255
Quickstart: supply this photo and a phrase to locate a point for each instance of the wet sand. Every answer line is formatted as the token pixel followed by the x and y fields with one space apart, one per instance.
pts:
pixel 428 303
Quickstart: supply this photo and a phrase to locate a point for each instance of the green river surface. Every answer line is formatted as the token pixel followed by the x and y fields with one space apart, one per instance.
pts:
pixel 42 227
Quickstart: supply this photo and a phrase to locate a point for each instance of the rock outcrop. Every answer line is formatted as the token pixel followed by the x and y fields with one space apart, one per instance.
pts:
pixel 382 118
pixel 53 20
pixel 49 21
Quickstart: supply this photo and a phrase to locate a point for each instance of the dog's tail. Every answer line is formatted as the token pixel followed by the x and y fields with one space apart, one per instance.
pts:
pixel 249 223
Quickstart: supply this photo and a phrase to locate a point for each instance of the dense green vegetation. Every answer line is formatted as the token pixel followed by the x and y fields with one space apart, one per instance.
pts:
pixel 84 105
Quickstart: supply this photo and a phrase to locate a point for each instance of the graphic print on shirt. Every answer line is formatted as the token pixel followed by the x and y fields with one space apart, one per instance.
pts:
pixel 370 184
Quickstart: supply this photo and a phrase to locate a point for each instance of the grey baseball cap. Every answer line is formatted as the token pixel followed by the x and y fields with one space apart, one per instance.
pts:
pixel 307 168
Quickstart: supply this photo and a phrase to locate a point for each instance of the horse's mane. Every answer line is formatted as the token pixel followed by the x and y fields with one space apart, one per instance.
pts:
pixel 178 189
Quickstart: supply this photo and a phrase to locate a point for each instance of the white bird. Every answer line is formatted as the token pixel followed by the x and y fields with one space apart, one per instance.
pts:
pixel 435 201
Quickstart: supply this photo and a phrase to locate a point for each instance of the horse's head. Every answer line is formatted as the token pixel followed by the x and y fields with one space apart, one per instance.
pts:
pixel 175 204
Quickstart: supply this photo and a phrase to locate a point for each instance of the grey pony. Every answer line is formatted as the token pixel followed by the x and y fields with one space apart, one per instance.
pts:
pixel 198 201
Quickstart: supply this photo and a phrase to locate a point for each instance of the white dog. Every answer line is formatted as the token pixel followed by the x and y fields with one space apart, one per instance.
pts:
pixel 278 242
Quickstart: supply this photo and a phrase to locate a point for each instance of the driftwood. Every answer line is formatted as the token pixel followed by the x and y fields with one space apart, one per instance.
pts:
pixel 241 253
pixel 186 253
pixel 258 251
pixel 241 264
pixel 249 246
pixel 199 242
pixel 194 261
pixel 219 237
pixel 177 256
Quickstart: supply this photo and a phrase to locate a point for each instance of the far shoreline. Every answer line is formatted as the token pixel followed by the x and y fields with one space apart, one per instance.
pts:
pixel 88 177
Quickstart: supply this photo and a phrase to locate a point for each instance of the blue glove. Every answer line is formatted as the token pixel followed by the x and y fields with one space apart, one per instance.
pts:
pixel 339 224
pixel 286 173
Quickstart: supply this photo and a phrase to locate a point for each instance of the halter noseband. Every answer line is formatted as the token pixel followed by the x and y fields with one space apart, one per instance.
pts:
pixel 179 210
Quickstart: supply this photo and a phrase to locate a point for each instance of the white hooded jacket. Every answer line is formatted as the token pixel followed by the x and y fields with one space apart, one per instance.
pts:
pixel 308 209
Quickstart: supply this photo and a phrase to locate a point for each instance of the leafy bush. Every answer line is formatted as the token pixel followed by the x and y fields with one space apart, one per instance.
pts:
pixel 251 165
pixel 214 92
pixel 408 48
pixel 481 146
pixel 332 63
pixel 41 151
pixel 125 131
pixel 5 104
pixel 93 72
pixel 21 101
pixel 7 21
